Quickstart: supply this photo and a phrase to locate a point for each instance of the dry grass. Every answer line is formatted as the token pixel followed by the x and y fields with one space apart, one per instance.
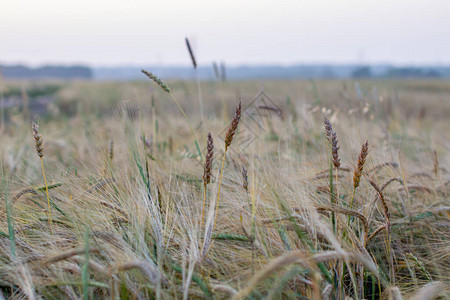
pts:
pixel 127 217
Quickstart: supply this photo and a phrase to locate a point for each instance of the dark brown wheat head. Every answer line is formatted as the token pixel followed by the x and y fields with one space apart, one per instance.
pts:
pixel 208 160
pixel 233 127
pixel 360 165
pixel 332 138
pixel 191 53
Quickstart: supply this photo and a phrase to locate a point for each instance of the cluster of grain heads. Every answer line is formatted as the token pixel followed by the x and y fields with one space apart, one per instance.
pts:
pixel 39 144
pixel 332 138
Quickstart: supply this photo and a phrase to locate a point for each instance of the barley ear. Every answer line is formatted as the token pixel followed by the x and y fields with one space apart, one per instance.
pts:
pixel 360 165
pixel 208 160
pixel 233 127
pixel 332 138
pixel 39 141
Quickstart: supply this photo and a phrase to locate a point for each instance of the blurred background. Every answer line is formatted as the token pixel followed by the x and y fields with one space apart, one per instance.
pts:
pixel 104 40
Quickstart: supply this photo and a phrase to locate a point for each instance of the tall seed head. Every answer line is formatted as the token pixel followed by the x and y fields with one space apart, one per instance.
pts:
pixel 244 179
pixel 208 161
pixel 111 149
pixel 382 198
pixel 328 128
pixel 191 53
pixel 361 160
pixel 233 127
pixel 332 138
pixel 38 140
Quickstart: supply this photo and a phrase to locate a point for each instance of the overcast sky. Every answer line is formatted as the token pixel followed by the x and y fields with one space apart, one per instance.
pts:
pixel 148 32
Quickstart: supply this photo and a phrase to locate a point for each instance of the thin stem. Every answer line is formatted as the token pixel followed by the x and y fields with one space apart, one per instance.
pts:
pixel 351 206
pixel 337 196
pixel 9 217
pixel 332 200
pixel 204 203
pixel 337 187
pixel 190 126
pixel 353 196
pixel 253 232
pixel 200 98
pixel 49 214
pixel 352 278
pixel 218 192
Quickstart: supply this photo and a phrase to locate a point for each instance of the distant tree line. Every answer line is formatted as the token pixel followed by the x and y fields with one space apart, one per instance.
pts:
pixel 218 72
pixel 64 72
pixel 401 72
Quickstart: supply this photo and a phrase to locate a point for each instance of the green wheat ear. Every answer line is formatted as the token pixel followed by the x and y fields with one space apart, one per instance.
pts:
pixel 157 80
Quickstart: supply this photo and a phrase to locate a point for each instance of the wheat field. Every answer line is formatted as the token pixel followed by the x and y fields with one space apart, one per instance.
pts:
pixel 118 191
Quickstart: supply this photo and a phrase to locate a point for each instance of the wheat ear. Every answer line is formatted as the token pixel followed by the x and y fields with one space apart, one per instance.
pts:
pixel 332 138
pixel 207 170
pixel 359 169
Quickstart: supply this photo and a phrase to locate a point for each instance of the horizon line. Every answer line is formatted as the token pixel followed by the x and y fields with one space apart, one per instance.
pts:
pixel 228 65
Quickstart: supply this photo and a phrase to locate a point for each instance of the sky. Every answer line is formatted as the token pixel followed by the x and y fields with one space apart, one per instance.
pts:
pixel 142 33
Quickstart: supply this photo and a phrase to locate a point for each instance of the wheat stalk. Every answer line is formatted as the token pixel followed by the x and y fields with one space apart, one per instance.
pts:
pixel 387 215
pixel 159 81
pixel 39 145
pixel 194 64
pixel 228 140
